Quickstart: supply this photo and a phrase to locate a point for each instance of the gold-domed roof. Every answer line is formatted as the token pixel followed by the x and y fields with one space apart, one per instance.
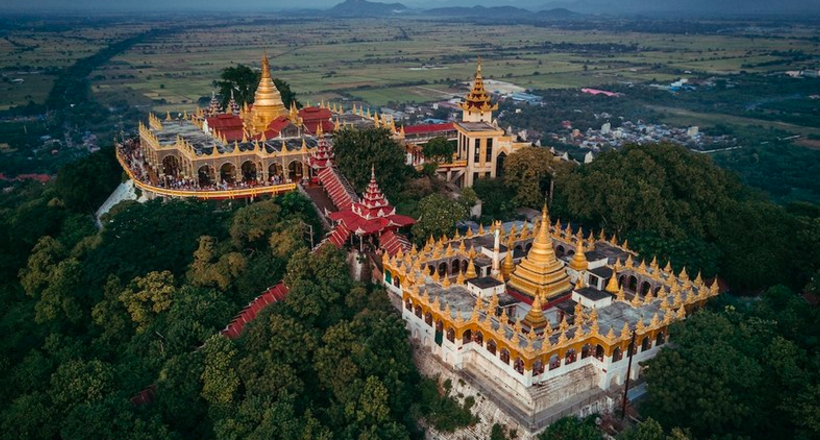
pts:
pixel 541 269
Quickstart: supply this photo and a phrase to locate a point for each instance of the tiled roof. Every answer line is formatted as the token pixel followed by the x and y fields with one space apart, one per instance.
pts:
pixel 392 241
pixel 428 128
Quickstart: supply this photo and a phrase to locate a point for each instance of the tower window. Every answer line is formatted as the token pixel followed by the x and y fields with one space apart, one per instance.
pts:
pixel 477 151
pixel 489 156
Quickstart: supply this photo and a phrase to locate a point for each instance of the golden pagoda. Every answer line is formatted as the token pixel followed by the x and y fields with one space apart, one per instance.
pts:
pixel 540 269
pixel 267 102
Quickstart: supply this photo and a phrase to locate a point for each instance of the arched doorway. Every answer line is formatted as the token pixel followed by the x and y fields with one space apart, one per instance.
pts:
pixel 227 173
pixel 248 172
pixel 205 175
pixel 499 164
pixel 295 171
pixel 456 267
pixel 491 346
pixel 275 173
pixel 467 337
pixel 170 166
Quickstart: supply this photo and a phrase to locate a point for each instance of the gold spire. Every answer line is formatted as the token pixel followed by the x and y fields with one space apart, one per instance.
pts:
pixel 267 102
pixel 540 269
pixel 579 260
pixel 478 101
pixel 471 273
pixel 508 266
pixel 612 285
pixel 535 317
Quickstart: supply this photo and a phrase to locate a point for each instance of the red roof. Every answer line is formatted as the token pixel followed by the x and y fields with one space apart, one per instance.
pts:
pixel 339 235
pixel 224 121
pixel 392 241
pixel 428 128
pixel 372 215
pixel 312 114
pixel 327 126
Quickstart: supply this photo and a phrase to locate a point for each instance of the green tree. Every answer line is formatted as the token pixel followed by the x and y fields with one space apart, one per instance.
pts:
pixel 572 428
pixel 661 188
pixel 149 296
pixel 439 149
pixel 359 151
pixel 529 172
pixel 438 216
pixel 497 199
pixel 85 184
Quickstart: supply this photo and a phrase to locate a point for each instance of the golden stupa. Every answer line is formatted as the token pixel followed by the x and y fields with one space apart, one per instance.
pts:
pixel 541 270
pixel 267 102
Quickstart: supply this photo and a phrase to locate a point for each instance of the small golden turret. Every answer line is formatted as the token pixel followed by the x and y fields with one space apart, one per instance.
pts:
pixel 579 260
pixel 471 272
pixel 535 317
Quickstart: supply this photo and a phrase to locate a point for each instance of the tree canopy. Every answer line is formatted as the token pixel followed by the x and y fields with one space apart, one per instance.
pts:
pixel 359 151
pixel 439 149
pixel 439 215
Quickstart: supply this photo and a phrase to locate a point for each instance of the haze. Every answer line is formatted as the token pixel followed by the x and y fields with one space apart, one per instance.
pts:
pixel 691 7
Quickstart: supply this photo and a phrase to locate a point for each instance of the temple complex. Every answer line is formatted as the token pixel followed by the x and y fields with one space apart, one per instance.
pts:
pixel 267 148
pixel 539 316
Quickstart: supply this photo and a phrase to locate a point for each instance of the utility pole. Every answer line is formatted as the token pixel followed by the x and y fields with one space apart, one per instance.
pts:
pixel 628 372
pixel 308 229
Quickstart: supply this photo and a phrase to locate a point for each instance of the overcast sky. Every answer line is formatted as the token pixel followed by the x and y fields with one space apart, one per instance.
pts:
pixel 731 6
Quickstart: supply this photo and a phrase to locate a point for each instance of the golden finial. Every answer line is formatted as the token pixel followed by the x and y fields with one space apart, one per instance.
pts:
pixel 460 278
pixel 640 327
pixel 579 260
pixel 612 284
pixel 481 229
pixel 682 313
pixel 580 283
pixel 610 335
pixel 636 300
pixel 471 272
pixel 621 295
pixel 625 331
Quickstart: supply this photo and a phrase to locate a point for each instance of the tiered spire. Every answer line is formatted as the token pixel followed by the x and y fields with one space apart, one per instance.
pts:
pixel 374 203
pixel 322 156
pixel 478 101
pixel 213 107
pixel 233 105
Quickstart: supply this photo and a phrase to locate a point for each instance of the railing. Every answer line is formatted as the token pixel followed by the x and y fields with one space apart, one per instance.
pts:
pixel 238 193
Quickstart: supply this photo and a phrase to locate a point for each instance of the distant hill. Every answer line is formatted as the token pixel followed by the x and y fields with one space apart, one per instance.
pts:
pixel 480 11
pixel 558 13
pixel 688 7
pixel 364 8
pixel 502 13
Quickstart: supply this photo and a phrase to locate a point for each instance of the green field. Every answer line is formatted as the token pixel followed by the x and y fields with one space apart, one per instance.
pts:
pixel 378 61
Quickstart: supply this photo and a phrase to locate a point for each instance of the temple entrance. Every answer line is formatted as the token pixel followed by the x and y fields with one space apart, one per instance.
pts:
pixel 499 164
pixel 170 166
pixel 227 173
pixel 205 175
pixel 248 172
pixel 295 170
pixel 275 173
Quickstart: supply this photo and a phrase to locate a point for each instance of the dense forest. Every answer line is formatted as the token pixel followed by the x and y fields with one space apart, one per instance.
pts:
pixel 92 316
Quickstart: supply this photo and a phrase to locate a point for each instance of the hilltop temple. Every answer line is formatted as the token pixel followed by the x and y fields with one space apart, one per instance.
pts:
pixel 267 148
pixel 539 316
